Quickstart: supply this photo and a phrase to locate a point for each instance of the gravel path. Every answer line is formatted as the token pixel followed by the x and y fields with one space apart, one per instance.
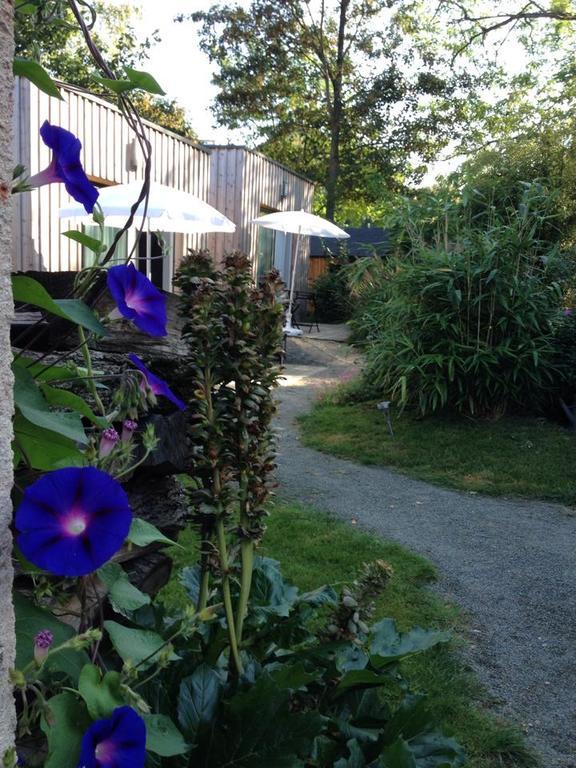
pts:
pixel 510 564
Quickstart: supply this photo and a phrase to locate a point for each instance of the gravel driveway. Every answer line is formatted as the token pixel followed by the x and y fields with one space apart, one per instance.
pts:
pixel 511 565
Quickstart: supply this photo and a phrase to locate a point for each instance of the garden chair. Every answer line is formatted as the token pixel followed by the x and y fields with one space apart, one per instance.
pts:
pixel 306 300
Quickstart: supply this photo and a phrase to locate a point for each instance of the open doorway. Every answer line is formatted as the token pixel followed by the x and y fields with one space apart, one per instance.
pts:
pixel 154 258
pixel 274 250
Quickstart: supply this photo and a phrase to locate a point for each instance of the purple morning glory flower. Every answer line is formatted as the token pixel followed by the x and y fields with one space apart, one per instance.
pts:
pixel 65 166
pixel 158 387
pixel 116 742
pixel 71 521
pixel 137 299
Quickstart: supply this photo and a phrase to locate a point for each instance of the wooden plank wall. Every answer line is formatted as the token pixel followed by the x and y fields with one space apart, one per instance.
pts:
pixel 244 181
pixel 226 179
pixel 106 139
pixel 317 266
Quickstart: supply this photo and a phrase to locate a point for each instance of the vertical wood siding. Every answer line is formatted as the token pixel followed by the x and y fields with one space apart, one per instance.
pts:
pixel 37 239
pixel 243 182
pixel 317 267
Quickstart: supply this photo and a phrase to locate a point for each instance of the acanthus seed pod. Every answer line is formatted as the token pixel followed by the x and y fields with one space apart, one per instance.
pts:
pixel 349 601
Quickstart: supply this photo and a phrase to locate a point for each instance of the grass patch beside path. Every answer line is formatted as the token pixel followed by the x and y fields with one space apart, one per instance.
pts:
pixel 513 456
pixel 315 549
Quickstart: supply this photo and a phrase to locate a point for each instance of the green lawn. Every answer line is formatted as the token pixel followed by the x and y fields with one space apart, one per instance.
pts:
pixel 315 550
pixel 527 457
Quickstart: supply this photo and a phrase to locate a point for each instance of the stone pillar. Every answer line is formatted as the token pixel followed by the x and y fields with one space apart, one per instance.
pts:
pixel 7 642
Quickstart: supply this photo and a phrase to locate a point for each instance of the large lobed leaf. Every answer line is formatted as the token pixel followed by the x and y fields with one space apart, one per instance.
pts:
pixel 263 731
pixel 270 593
pixel 162 736
pixel 135 80
pixel 143 533
pixel 42 448
pixel 67 399
pixel 198 698
pixel 387 645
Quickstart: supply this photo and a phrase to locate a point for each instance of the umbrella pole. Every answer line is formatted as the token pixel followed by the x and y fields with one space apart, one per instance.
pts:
pixel 289 330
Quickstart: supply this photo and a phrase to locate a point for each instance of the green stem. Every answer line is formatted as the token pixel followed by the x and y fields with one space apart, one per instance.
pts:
pixel 156 651
pixel 132 467
pixel 205 577
pixel 221 535
pixel 84 281
pixel 151 676
pixel 90 380
pixel 204 584
pixel 85 277
pixel 224 564
pixel 247 558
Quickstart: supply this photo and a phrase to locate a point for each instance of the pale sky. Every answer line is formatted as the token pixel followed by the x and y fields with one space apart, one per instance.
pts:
pixel 179 65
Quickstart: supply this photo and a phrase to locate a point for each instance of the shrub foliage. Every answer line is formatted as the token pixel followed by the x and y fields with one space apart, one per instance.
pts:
pixel 464 315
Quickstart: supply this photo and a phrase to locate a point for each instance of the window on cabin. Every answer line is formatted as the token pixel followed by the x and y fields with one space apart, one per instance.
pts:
pixel 120 254
pixel 266 250
pixel 274 250
pixel 155 254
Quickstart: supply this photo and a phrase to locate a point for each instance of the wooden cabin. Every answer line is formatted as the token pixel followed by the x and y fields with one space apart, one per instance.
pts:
pixel 109 156
pixel 239 182
pixel 245 184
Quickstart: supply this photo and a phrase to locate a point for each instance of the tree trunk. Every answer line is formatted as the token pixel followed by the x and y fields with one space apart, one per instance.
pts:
pixel 7 641
pixel 336 117
pixel 334 161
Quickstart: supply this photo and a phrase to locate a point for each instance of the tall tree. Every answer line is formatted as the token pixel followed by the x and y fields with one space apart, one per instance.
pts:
pixel 345 91
pixel 530 117
pixel 165 112
pixel 51 36
pixel 481 19
pixel 7 640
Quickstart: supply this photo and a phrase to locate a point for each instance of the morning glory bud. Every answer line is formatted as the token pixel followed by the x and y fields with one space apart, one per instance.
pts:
pixel 42 644
pixel 108 441
pixel 128 428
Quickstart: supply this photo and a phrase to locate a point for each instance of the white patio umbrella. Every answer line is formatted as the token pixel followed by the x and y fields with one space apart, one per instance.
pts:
pixel 302 224
pixel 169 210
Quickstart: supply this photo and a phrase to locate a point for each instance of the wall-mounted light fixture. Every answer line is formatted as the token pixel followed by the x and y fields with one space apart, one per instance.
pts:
pixel 284 190
pixel 132 156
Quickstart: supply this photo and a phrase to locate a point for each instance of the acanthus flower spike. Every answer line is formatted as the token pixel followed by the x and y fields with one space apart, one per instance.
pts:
pixel 137 299
pixel 65 166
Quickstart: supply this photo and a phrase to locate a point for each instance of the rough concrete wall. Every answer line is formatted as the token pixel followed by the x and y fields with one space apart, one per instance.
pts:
pixel 7 715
